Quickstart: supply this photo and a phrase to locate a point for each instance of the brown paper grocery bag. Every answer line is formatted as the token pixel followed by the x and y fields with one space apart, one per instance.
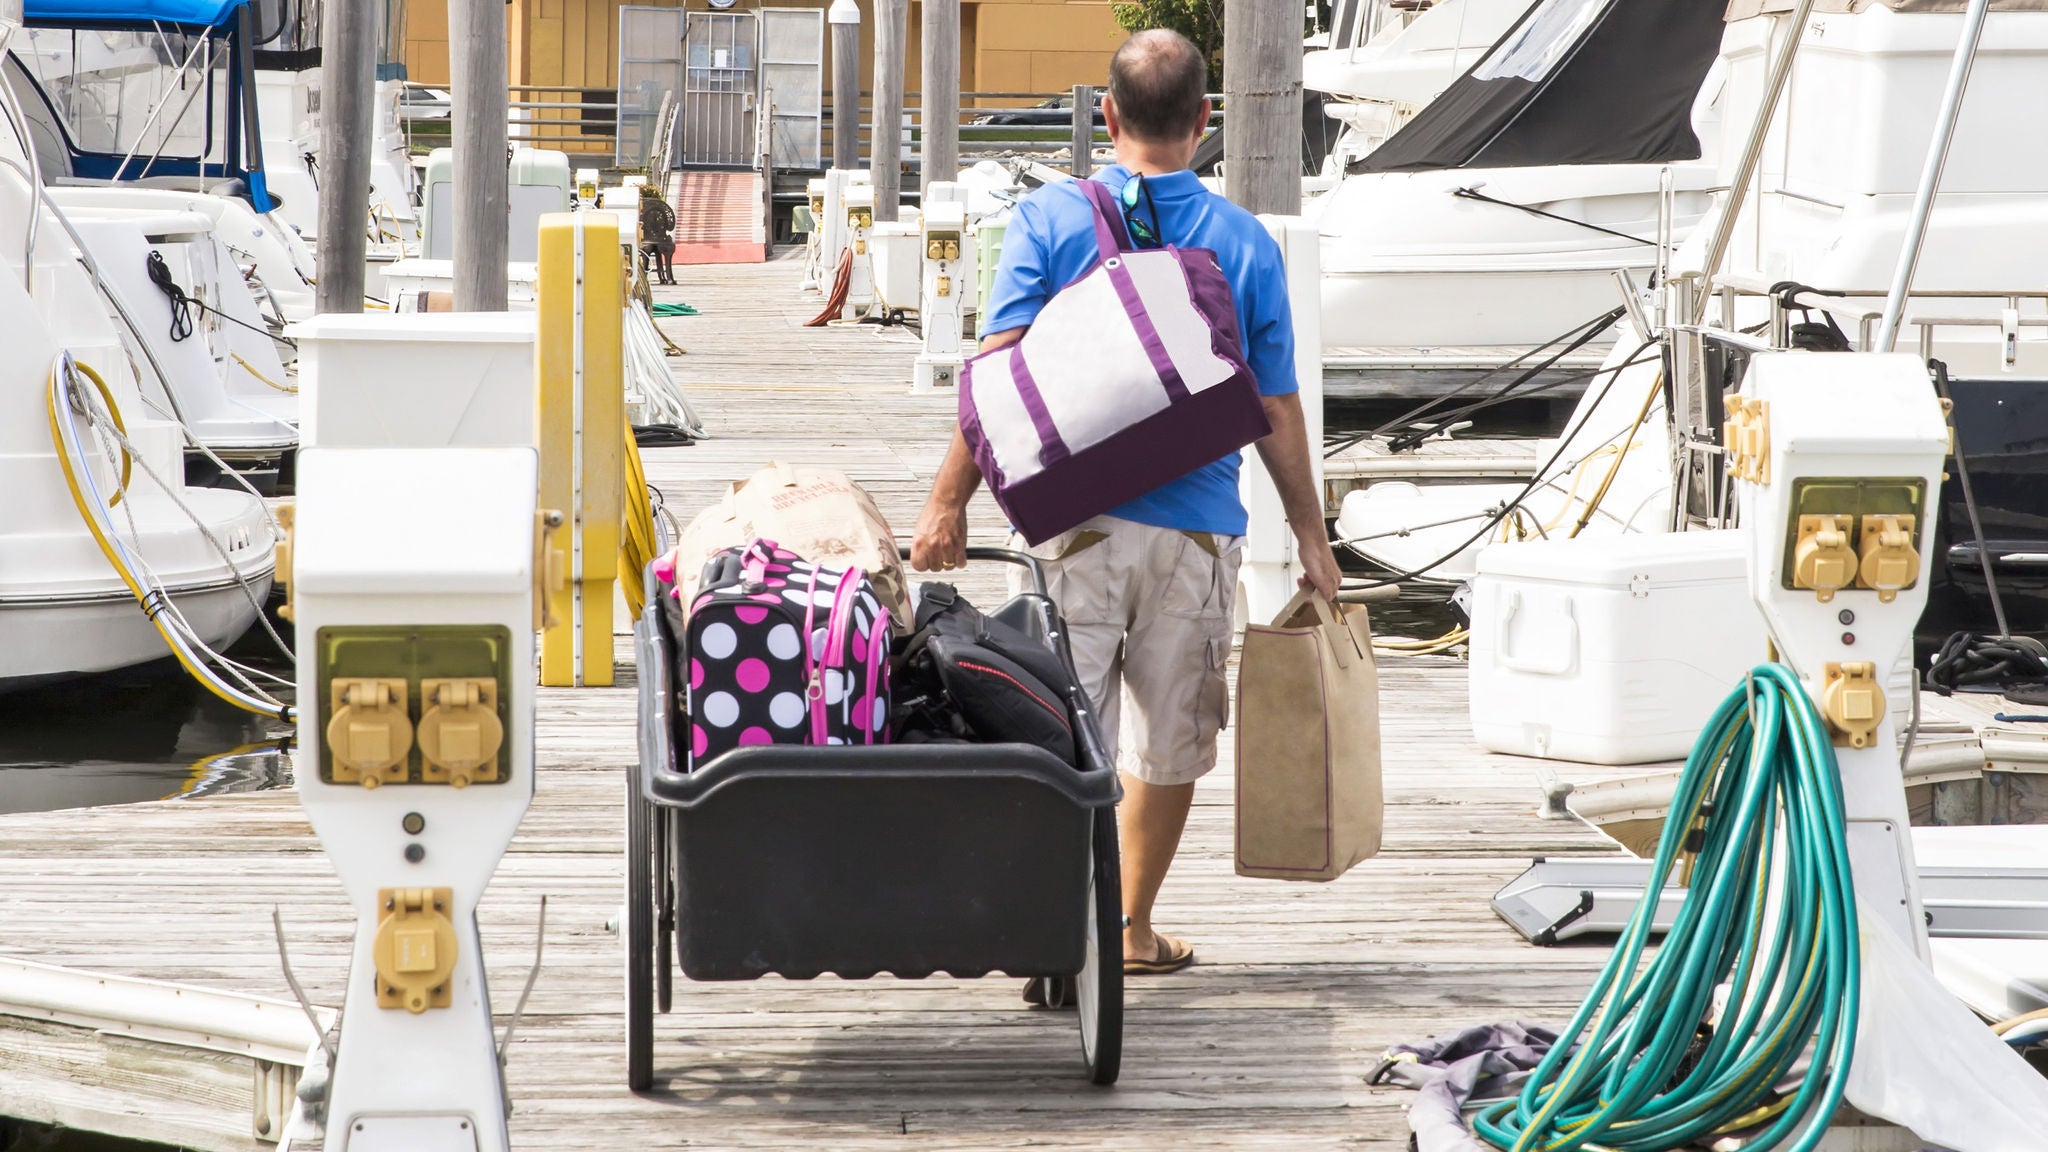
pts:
pixel 1308 743
pixel 816 513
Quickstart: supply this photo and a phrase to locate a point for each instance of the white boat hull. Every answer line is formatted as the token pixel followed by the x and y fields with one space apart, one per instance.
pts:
pixel 1407 262
pixel 62 639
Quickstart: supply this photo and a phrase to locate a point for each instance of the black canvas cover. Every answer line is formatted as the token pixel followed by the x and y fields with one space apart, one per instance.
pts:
pixel 1318 135
pixel 1572 82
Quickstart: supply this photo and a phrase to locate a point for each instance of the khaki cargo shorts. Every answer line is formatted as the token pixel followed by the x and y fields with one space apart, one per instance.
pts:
pixel 1148 614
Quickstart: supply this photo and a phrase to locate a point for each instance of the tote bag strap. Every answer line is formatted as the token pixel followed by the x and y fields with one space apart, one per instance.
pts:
pixel 1113 240
pixel 1111 237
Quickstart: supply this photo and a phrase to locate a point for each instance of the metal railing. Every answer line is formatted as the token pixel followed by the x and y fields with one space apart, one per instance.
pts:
pixel 1033 131
pixel 993 124
pixel 1704 495
pixel 554 115
pixel 2000 308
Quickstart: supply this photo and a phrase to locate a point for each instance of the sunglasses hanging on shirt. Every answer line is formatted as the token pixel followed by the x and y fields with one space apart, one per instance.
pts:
pixel 1142 234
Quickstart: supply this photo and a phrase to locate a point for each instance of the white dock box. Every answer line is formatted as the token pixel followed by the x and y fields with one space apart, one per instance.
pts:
pixel 417 379
pixel 1612 650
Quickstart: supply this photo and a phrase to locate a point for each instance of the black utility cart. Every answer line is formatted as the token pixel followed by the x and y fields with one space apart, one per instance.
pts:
pixel 904 859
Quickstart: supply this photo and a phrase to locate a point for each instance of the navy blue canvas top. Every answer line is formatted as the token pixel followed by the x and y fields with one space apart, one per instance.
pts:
pixel 197 13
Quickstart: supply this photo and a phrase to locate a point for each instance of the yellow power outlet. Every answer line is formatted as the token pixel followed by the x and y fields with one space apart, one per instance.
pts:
pixel 1889 561
pixel 1852 702
pixel 369 733
pixel 415 948
pixel 1824 555
pixel 459 731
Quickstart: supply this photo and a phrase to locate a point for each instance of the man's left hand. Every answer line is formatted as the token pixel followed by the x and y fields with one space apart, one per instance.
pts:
pixel 1318 563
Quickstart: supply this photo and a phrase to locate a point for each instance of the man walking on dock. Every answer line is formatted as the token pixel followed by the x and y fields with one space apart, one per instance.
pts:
pixel 1149 588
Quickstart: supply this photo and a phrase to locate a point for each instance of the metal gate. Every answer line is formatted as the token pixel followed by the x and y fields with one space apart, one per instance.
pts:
pixel 650 71
pixel 793 80
pixel 719 89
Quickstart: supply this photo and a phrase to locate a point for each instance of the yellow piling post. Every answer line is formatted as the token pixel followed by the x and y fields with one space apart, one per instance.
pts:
pixel 581 429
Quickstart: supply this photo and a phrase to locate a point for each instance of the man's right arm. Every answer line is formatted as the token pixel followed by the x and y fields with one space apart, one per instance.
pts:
pixel 941 540
pixel 1021 288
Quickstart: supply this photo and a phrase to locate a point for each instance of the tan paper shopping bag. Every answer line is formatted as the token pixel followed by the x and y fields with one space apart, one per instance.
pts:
pixel 816 513
pixel 1308 743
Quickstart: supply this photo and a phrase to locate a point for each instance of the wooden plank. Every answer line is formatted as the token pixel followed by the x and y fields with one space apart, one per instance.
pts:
pixel 1262 1045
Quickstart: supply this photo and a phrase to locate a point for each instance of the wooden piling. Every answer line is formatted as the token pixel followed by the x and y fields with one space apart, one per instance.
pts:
pixel 1262 108
pixel 939 101
pixel 885 145
pixel 347 131
pixel 477 69
pixel 845 20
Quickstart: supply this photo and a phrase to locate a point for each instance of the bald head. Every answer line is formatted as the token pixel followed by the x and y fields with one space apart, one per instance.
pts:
pixel 1157 80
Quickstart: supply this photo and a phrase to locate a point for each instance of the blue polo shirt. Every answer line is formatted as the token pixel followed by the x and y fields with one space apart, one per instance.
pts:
pixel 1050 243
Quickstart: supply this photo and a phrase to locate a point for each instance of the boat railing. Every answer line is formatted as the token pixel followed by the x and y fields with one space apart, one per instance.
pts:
pixel 1861 311
pixel 1701 356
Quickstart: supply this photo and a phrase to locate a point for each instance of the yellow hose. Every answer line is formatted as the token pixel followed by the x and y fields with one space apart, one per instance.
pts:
pixel 113 410
pixel 1600 493
pixel 2005 1026
pixel 99 537
pixel 251 369
pixel 637 548
pixel 1443 643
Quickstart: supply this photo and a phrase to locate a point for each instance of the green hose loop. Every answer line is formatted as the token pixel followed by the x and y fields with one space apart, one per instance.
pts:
pixel 1648 1064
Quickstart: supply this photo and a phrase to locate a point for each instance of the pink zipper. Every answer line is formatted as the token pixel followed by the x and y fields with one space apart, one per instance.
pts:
pixel 754 568
pixel 814 679
pixel 836 626
pixel 878 641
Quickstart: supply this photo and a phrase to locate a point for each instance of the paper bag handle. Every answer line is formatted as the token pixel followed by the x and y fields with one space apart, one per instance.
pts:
pixel 1326 612
pixel 1327 616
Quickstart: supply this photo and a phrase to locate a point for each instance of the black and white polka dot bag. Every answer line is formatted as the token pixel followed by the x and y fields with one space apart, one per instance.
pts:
pixel 780 650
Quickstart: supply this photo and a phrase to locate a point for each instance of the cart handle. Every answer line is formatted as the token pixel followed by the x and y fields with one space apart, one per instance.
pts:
pixel 1024 560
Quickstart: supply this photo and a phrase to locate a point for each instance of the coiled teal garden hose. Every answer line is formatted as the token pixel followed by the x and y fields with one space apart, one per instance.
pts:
pixel 1647 1065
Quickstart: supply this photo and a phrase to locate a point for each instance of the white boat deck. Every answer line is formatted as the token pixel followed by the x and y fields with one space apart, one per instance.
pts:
pixel 1397 373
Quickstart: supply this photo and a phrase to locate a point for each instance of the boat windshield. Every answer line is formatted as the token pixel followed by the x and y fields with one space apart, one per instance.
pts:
pixel 287 25
pixel 1543 38
pixel 140 94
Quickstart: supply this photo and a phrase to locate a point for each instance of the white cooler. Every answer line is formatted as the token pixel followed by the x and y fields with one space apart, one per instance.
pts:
pixel 1612 650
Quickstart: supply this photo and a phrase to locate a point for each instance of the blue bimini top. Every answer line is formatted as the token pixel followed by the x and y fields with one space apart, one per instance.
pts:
pixel 102 13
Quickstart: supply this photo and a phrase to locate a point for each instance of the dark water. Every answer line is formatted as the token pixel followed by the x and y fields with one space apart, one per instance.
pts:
pixel 22 1136
pixel 1423 612
pixel 147 733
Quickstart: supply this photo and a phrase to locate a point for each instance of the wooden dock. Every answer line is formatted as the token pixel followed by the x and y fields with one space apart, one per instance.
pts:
pixel 1264 1044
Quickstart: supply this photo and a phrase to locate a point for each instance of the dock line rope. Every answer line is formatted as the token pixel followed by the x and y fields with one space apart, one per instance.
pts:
pixel 1648 1064
pixel 1575 338
pixel 1473 193
pixel 835 298
pixel 183 304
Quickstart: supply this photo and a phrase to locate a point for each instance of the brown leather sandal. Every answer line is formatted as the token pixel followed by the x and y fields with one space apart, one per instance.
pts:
pixel 1170 955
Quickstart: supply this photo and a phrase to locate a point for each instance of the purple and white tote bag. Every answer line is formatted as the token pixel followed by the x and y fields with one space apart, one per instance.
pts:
pixel 1130 377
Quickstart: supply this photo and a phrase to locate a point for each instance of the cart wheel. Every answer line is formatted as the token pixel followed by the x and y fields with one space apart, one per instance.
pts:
pixel 640 870
pixel 1100 984
pixel 664 910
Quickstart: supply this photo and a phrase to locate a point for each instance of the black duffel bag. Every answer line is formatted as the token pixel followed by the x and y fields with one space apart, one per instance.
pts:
pixel 962 675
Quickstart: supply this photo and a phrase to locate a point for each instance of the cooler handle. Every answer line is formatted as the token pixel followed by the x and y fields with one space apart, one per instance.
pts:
pixel 1557 663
